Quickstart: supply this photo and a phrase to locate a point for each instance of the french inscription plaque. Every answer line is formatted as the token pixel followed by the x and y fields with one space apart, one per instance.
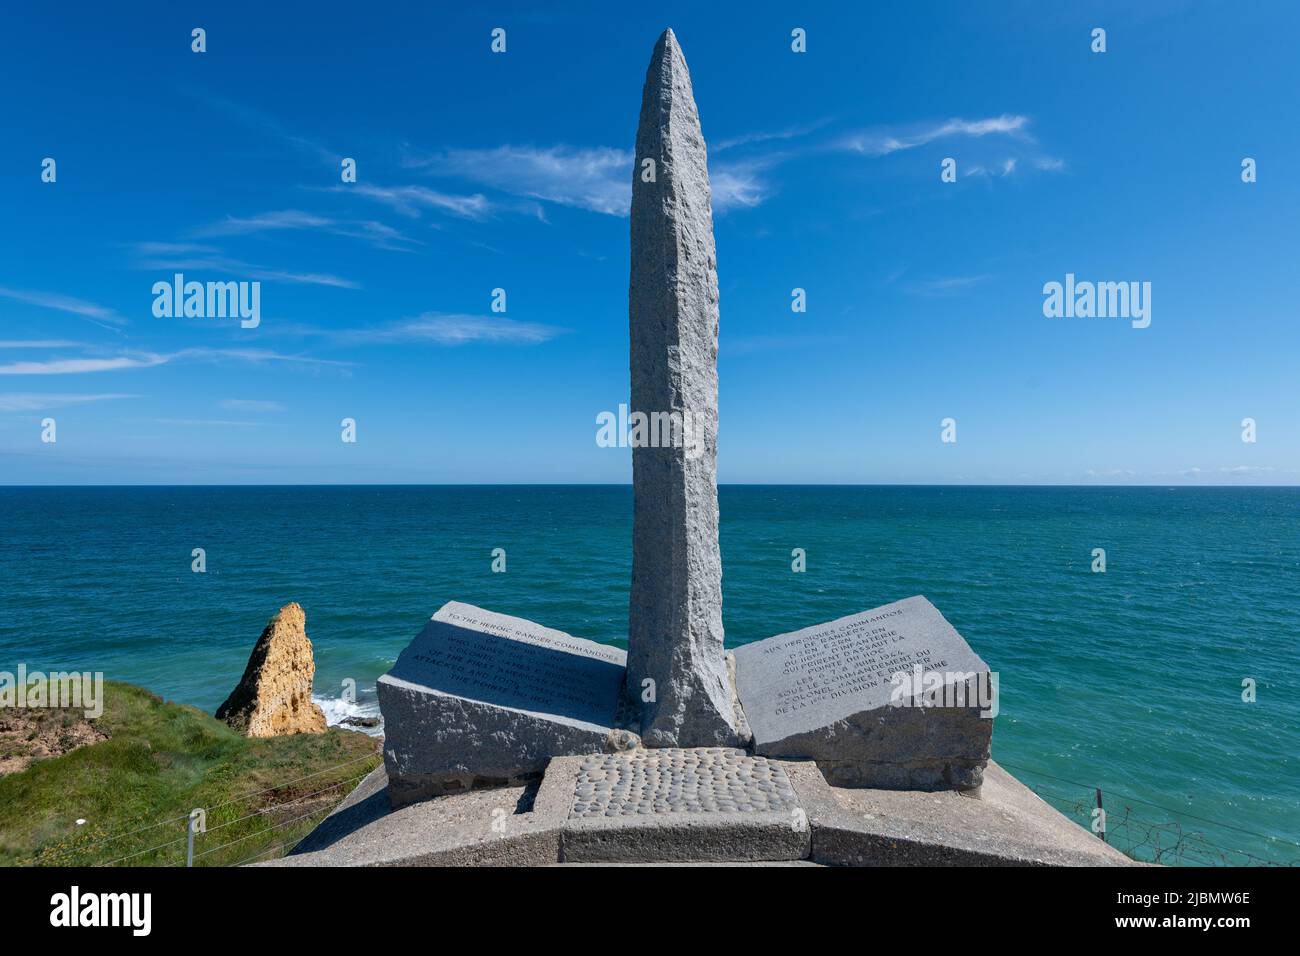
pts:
pixel 480 698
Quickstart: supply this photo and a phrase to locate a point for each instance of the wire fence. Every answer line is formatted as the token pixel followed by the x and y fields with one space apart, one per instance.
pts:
pixel 253 817
pixel 1178 838
pixel 1141 829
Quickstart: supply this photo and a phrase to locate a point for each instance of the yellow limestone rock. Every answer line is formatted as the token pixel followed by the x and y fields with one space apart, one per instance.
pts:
pixel 273 699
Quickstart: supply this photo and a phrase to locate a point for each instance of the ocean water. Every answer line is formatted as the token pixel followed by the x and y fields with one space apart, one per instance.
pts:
pixel 1128 681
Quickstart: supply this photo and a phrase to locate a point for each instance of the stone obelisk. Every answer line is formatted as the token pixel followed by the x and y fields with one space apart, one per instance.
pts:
pixel 676 673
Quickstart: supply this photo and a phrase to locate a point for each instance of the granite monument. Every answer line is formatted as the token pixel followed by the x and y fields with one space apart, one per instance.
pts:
pixel 892 697
pixel 676 671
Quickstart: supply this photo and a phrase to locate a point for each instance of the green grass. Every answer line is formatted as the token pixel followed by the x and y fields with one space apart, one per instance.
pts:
pixel 136 789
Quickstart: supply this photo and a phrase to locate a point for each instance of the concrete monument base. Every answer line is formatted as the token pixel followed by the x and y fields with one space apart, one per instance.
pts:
pixel 784 811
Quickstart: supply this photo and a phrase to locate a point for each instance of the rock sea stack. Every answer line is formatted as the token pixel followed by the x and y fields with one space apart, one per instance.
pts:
pixel 273 699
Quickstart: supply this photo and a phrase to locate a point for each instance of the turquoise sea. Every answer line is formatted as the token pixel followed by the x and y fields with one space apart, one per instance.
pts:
pixel 1129 681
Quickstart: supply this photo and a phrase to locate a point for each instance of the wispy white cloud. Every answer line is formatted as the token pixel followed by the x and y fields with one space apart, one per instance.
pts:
pixel 951 285
pixel 182 257
pixel 97 314
pixel 445 329
pixel 1010 130
pixel 883 141
pixel 747 183
pixel 77 366
pixel 80 366
pixel 263 222
pixel 39 344
pixel 737 186
pixel 199 422
pixel 749 139
pixel 297 278
pixel 249 405
pixel 254 357
pixel 1248 471
pixel 598 179
pixel 376 233
pixel 268 124
pixel 413 200
pixel 407 200
pixel 173 248
pixel 1004 168
pixel 34 402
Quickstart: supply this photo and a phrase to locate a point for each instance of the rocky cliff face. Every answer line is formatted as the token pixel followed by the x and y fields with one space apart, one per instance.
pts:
pixel 274 697
pixel 31 734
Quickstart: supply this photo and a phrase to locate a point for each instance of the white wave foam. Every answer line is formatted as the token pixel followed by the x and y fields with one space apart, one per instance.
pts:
pixel 337 709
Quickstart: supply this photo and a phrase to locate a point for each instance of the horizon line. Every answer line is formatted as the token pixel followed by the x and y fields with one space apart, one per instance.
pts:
pixel 628 485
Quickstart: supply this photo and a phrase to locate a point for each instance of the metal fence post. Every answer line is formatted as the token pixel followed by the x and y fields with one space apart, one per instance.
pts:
pixel 198 824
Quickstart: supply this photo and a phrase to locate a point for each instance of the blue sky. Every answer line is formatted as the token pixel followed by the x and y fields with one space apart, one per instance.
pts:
pixel 479 171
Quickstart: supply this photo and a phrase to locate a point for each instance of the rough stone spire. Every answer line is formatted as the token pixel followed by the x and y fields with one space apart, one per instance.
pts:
pixel 675 621
pixel 274 696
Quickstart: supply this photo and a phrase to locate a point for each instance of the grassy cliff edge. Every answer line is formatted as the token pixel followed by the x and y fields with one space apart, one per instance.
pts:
pixel 135 790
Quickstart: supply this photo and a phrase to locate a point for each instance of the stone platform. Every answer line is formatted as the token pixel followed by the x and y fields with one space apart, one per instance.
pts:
pixel 713 804
pixel 699 806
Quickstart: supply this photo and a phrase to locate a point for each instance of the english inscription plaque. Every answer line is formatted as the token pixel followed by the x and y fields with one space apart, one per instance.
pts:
pixel 892 697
